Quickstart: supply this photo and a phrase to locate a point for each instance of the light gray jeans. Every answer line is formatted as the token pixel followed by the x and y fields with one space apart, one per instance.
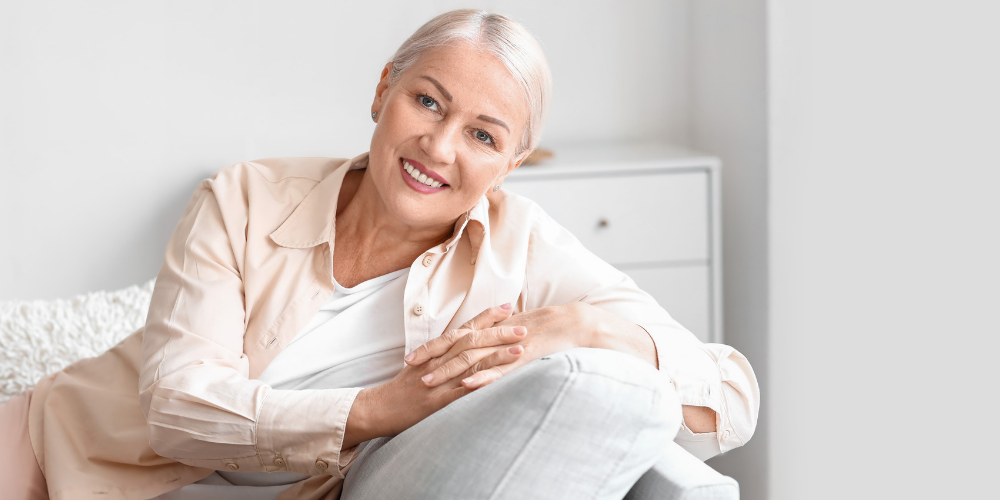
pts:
pixel 580 424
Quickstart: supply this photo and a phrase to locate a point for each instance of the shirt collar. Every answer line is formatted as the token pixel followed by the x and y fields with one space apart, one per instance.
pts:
pixel 312 222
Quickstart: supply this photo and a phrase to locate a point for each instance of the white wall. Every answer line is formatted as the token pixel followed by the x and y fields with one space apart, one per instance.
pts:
pixel 729 118
pixel 884 245
pixel 111 112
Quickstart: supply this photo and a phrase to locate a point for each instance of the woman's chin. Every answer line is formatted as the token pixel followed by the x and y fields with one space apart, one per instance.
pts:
pixel 419 210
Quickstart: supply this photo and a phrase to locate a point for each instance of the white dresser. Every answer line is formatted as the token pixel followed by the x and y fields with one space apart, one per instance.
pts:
pixel 650 210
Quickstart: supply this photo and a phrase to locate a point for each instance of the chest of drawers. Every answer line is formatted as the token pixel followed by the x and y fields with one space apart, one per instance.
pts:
pixel 650 210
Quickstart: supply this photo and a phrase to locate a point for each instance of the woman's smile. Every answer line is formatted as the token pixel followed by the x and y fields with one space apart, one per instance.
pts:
pixel 421 178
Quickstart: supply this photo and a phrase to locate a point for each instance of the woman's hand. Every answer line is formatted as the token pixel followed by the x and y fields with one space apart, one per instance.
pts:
pixel 397 405
pixel 557 328
pixel 547 330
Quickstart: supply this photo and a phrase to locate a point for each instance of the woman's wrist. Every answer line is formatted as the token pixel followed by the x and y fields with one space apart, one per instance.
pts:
pixel 592 335
pixel 364 421
pixel 610 331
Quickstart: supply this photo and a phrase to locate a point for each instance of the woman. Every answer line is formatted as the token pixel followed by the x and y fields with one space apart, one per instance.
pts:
pixel 272 361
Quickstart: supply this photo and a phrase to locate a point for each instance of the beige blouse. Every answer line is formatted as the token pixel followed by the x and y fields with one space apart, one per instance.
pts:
pixel 249 264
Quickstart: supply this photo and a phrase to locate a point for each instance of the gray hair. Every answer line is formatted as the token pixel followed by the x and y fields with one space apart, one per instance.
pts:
pixel 507 40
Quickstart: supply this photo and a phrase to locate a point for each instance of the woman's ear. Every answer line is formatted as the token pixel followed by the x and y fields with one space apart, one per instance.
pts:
pixel 516 161
pixel 380 89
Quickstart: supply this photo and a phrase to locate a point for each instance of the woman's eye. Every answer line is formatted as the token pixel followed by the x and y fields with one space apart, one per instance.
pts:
pixel 483 137
pixel 428 103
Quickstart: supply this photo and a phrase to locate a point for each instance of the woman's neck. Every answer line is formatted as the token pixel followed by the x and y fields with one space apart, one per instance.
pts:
pixel 369 241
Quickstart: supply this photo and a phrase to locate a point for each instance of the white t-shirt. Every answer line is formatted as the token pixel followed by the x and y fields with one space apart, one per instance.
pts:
pixel 355 340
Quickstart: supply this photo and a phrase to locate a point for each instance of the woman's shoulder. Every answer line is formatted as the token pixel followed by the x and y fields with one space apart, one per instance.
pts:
pixel 269 181
pixel 556 264
pixel 270 188
pixel 518 225
pixel 275 170
pixel 514 213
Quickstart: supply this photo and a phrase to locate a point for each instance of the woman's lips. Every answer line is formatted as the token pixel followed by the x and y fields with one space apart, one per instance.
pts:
pixel 424 170
pixel 416 184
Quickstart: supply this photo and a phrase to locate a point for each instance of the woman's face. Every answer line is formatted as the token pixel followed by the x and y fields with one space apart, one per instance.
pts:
pixel 453 119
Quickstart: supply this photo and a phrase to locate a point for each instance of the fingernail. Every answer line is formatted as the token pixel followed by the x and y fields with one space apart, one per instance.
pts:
pixel 505 307
pixel 467 381
pixel 520 331
pixel 409 357
pixel 514 349
pixel 427 378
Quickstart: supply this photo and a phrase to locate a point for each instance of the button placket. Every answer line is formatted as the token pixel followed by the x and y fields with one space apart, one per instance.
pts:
pixel 415 299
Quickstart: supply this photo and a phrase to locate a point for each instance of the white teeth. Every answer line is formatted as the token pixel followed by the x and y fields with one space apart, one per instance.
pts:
pixel 420 177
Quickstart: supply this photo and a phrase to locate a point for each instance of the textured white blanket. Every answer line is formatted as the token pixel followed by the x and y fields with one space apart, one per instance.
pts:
pixel 41 337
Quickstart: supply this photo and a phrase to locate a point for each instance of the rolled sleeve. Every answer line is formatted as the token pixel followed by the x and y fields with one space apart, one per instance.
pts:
pixel 718 377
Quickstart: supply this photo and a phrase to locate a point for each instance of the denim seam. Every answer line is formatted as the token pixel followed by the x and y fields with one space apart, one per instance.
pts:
pixel 545 420
pixel 635 437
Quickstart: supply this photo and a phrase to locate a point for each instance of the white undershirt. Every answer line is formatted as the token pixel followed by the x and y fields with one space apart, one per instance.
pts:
pixel 357 339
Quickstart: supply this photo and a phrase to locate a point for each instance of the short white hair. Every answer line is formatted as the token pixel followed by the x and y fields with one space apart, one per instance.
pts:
pixel 507 40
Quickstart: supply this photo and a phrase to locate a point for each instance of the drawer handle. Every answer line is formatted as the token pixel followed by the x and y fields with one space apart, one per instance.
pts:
pixel 602 223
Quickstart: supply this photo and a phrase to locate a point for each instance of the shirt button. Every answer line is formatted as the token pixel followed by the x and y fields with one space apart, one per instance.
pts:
pixel 232 466
pixel 321 465
pixel 428 260
pixel 279 462
pixel 725 435
pixel 418 310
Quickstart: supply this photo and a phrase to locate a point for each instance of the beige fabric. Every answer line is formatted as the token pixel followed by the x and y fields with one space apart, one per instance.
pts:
pixel 20 477
pixel 248 266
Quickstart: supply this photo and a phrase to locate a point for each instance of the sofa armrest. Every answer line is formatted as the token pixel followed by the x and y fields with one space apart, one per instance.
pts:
pixel 678 475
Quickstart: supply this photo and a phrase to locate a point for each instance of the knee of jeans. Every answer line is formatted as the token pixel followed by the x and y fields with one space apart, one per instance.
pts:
pixel 628 387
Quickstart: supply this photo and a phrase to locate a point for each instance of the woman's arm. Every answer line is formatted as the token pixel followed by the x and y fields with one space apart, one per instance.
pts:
pixel 572 298
pixel 552 329
pixel 614 332
pixel 715 381
pixel 201 407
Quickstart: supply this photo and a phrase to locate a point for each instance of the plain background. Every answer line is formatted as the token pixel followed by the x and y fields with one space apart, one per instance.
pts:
pixel 859 142
pixel 884 221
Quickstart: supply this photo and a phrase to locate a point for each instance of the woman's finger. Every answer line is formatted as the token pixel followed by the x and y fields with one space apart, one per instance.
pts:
pixel 471 361
pixel 435 347
pixel 494 367
pixel 441 345
pixel 490 337
pixel 456 366
pixel 489 317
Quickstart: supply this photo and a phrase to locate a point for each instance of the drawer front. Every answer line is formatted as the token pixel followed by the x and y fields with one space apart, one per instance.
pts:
pixel 629 219
pixel 685 292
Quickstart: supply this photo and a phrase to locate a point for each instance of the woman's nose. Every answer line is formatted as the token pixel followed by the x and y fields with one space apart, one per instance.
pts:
pixel 439 143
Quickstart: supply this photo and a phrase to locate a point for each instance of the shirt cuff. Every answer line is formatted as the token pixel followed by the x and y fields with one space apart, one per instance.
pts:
pixel 715 376
pixel 303 430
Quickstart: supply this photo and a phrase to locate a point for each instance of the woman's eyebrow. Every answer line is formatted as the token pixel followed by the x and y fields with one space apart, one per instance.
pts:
pixel 440 88
pixel 447 95
pixel 494 120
